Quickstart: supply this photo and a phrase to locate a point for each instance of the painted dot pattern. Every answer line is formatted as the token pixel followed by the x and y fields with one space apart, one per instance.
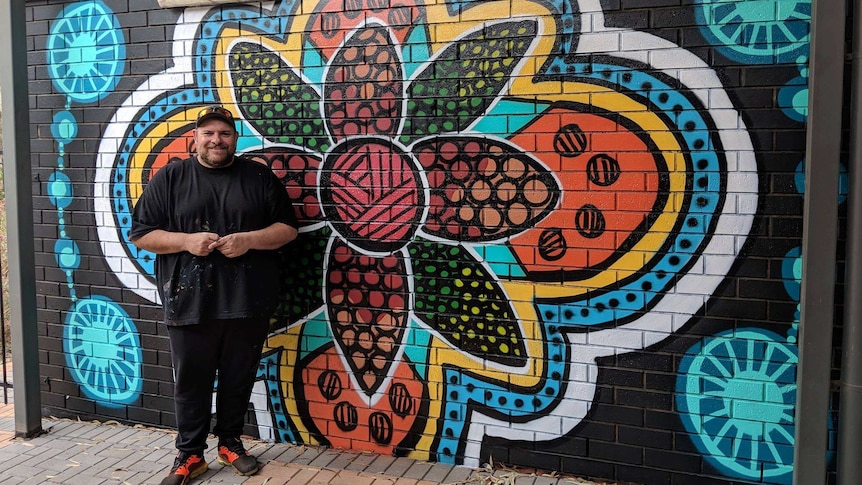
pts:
pixel 457 298
pixel 482 189
pixel 367 305
pixel 274 99
pixel 363 89
pixel 472 70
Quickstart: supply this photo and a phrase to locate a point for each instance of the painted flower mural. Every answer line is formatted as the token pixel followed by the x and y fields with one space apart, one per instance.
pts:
pixel 485 208
pixel 392 196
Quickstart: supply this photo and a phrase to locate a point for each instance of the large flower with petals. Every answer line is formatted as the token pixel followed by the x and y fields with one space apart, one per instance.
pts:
pixel 400 183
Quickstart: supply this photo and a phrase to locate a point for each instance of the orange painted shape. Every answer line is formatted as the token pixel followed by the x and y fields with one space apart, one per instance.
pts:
pixel 609 182
pixel 331 400
pixel 178 148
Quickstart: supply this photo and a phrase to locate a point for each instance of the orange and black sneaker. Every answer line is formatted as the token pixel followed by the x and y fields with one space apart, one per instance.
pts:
pixel 186 466
pixel 232 452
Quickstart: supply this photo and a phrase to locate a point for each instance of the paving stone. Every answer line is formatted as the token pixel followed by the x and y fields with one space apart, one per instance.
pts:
pixel 91 453
pixel 417 470
pixel 362 461
pixel 399 467
pixel 324 458
pixel 380 464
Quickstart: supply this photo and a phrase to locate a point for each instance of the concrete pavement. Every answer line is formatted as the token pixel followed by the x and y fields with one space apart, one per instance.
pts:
pixel 102 453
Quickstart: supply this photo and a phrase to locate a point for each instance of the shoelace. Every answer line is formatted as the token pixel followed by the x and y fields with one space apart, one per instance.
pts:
pixel 235 447
pixel 182 464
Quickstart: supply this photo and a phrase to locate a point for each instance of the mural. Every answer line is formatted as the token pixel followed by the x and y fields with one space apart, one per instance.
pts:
pixel 101 343
pixel 492 197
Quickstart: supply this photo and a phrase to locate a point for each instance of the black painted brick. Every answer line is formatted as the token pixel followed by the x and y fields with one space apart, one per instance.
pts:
pixel 168 419
pixel 629 19
pixel 660 382
pixel 645 360
pixel 158 372
pixel 52 400
pixel 648 4
pixel 615 452
pixel 51 371
pixel 672 17
pixel 685 479
pixel 643 475
pixel 619 415
pixel 143 415
pixel 647 399
pixel 535 459
pixel 683 442
pixel 586 467
pixel 670 460
pixel 159 403
pixel 623 377
pixel 595 430
pixel 499 453
pixel 649 438
pixel 80 405
pixel 116 412
pixel 55 358
pixel 730 308
pixel 154 342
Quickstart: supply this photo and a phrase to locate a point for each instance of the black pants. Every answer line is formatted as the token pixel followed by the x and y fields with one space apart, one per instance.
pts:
pixel 233 349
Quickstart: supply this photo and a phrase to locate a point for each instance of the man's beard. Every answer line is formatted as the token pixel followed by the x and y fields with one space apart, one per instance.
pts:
pixel 217 161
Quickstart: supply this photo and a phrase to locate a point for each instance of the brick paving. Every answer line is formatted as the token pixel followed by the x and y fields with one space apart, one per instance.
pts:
pixel 108 453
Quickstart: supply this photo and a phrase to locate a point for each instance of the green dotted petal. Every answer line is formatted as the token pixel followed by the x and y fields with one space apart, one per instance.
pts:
pixel 473 70
pixel 274 99
pixel 457 297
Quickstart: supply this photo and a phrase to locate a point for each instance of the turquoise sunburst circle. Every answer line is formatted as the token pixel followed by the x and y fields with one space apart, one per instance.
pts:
pixel 736 394
pixel 86 51
pixel 103 351
pixel 757 32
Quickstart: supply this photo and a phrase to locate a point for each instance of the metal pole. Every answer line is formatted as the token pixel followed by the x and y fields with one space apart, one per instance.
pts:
pixel 850 417
pixel 819 237
pixel 19 218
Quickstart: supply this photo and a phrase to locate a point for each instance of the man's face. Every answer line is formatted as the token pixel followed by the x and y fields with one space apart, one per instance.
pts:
pixel 216 143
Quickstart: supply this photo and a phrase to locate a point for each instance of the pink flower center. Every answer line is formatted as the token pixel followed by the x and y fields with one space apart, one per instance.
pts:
pixel 372 194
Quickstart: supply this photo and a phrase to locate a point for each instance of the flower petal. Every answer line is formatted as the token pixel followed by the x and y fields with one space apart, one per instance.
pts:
pixel 364 88
pixel 456 297
pixel 297 171
pixel 367 299
pixel 334 19
pixel 466 78
pixel 483 189
pixel 274 98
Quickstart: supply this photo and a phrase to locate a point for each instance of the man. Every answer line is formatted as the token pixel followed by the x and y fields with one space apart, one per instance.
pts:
pixel 214 221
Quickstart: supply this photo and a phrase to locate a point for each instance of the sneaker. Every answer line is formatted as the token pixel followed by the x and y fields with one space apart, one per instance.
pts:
pixel 232 452
pixel 186 467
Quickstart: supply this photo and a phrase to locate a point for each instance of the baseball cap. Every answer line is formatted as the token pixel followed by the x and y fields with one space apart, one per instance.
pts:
pixel 214 113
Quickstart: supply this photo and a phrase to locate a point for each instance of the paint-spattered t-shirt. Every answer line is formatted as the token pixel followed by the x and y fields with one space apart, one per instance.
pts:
pixel 185 196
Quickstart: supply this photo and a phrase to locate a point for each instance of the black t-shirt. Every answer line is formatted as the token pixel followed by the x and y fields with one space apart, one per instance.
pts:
pixel 186 196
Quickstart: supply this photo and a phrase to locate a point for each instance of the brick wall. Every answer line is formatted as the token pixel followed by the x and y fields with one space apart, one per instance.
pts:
pixel 561 235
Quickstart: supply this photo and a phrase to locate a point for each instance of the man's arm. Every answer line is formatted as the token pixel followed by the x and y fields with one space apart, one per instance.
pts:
pixel 271 237
pixel 160 241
